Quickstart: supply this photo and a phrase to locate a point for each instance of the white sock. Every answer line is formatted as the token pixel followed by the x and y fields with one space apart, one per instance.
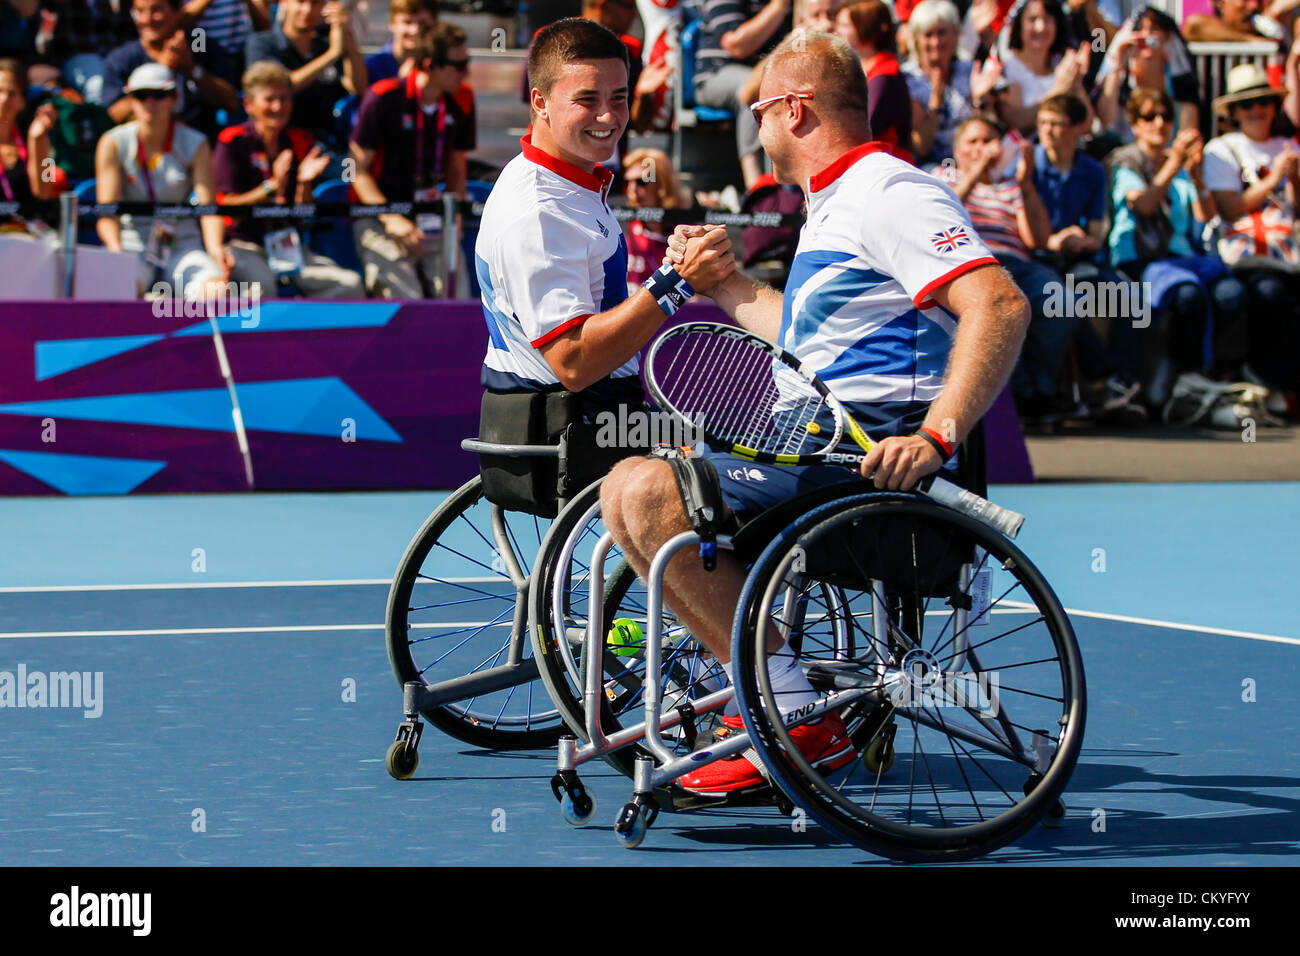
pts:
pixel 731 710
pixel 789 683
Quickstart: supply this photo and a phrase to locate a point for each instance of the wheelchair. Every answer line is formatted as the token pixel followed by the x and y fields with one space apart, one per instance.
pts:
pixel 456 623
pixel 941 646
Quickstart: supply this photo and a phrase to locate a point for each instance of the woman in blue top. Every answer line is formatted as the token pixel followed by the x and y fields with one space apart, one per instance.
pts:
pixel 1160 201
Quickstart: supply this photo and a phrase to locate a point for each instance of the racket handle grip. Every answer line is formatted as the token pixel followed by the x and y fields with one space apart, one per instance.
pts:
pixel 959 499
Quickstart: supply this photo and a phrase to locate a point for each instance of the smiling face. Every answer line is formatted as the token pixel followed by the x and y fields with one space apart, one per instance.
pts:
pixel 269 106
pixel 821 15
pixel 456 68
pixel 303 15
pixel 973 139
pixel 1153 126
pixel 1037 28
pixel 407 28
pixel 1255 117
pixel 585 113
pixel 153 108
pixel 155 20
pixel 937 45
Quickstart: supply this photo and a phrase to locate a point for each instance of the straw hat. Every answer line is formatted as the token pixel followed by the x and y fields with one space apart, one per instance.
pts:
pixel 1248 81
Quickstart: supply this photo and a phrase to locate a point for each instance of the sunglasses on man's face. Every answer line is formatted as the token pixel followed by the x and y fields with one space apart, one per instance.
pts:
pixel 1252 104
pixel 1152 117
pixel 460 66
pixel 146 96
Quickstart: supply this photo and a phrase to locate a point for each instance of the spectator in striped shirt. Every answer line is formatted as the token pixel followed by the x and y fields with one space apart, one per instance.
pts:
pixel 734 36
pixel 1012 221
pixel 229 23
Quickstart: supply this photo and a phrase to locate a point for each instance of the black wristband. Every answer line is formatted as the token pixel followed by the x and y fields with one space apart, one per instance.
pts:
pixel 944 454
pixel 670 290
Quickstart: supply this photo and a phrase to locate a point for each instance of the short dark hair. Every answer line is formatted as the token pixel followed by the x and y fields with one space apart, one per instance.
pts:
pixel 445 37
pixel 568 41
pixel 1065 105
pixel 987 119
pixel 1143 97
pixel 412 7
pixel 433 45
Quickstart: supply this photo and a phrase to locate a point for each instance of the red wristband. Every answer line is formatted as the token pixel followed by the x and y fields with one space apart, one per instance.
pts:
pixel 949 448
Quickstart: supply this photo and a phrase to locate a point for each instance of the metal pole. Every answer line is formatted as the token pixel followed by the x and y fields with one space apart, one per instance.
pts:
pixel 450 242
pixel 68 238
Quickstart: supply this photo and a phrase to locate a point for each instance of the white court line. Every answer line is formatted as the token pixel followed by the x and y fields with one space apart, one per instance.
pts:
pixel 353 582
pixel 260 629
pixel 1220 631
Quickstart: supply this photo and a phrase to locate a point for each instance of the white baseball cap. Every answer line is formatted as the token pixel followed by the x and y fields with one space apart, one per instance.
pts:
pixel 150 76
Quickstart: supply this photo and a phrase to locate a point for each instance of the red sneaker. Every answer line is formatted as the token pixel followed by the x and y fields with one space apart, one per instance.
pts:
pixel 824 742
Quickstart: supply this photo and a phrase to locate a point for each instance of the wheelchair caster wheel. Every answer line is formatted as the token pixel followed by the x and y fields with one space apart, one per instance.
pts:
pixel 401 760
pixel 578 811
pixel 1055 814
pixel 631 826
pixel 879 756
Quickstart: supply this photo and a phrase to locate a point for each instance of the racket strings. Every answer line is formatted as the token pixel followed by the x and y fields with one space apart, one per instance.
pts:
pixel 742 395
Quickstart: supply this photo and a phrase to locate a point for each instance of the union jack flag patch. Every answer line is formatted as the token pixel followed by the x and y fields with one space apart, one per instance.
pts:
pixel 950 239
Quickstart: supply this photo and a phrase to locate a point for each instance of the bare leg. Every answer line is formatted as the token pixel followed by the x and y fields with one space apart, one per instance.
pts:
pixel 642 508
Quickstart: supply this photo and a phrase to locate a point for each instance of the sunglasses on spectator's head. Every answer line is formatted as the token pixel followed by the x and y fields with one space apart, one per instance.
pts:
pixel 1251 104
pixel 1152 117
pixel 459 65
pixel 144 96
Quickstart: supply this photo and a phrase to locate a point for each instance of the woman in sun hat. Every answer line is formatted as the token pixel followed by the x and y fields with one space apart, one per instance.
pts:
pixel 1254 177
pixel 154 158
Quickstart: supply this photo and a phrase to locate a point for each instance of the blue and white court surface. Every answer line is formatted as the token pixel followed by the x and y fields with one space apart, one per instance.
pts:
pixel 237 699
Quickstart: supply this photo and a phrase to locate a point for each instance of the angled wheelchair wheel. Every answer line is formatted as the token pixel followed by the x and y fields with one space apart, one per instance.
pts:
pixel 963 690
pixel 458 606
pixel 558 614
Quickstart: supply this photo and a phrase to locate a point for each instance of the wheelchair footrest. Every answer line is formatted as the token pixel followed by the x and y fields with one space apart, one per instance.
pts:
pixel 676 800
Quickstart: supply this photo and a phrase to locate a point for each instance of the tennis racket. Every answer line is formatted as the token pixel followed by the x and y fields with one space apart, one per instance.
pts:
pixel 759 402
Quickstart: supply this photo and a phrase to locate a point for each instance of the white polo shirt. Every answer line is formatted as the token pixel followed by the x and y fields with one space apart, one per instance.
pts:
pixel 881 236
pixel 549 255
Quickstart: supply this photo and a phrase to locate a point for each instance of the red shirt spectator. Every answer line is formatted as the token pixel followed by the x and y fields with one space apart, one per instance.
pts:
pixel 412 144
pixel 242 163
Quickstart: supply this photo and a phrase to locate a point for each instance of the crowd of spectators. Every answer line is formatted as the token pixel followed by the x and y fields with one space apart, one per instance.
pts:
pixel 1073 134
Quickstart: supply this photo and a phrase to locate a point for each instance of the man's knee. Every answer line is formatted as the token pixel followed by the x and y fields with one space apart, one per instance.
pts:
pixel 648 502
pixel 612 491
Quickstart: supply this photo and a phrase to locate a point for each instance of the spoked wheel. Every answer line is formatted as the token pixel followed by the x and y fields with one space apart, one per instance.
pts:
pixel 558 606
pixel 981 715
pixel 458 606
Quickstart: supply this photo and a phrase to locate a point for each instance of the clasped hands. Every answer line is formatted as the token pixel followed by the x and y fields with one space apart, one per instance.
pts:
pixel 701 255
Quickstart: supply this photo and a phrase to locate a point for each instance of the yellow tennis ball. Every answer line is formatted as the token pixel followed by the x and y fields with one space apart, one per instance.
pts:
pixel 626 637
pixel 813 428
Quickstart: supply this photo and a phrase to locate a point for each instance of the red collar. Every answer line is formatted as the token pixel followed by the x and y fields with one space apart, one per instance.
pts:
pixel 597 180
pixel 167 146
pixel 819 181
pixel 882 64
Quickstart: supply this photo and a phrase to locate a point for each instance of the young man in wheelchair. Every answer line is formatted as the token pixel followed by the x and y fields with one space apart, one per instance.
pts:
pixel 892 300
pixel 564 335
